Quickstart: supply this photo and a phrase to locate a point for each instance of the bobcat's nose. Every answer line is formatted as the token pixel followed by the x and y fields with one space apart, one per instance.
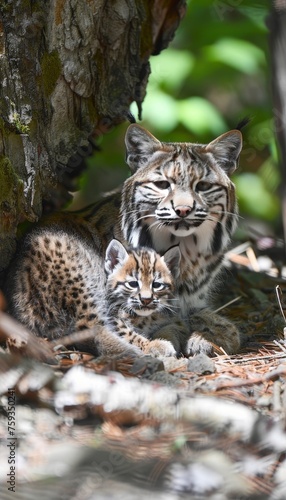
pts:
pixel 145 301
pixel 183 210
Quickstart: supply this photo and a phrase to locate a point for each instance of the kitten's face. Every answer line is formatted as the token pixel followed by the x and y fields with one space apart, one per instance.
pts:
pixel 141 281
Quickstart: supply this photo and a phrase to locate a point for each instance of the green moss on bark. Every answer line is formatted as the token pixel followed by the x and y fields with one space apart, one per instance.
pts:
pixel 11 194
pixel 51 70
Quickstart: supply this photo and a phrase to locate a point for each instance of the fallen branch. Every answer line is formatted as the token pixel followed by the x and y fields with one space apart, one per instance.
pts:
pixel 272 375
pixel 21 341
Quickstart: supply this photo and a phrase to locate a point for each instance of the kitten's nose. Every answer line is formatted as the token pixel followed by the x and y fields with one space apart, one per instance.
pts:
pixel 183 210
pixel 145 301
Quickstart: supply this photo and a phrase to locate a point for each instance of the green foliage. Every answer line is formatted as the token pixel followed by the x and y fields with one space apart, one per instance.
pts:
pixel 255 198
pixel 11 192
pixel 238 54
pixel 16 122
pixel 200 116
pixel 215 72
pixel 170 69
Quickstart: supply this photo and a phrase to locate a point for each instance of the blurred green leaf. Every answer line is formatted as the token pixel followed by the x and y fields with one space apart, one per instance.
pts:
pixel 256 13
pixel 261 134
pixel 254 199
pixel 240 54
pixel 199 116
pixel 171 68
pixel 270 175
pixel 160 109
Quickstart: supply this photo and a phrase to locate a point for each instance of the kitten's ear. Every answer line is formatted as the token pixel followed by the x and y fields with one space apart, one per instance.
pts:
pixel 173 258
pixel 115 254
pixel 140 145
pixel 226 149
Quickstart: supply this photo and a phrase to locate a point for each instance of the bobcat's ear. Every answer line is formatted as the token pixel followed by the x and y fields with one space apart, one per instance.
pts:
pixel 226 149
pixel 173 259
pixel 115 254
pixel 140 146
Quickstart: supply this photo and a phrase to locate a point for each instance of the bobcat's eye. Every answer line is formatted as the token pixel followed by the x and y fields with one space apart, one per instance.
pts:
pixel 203 186
pixel 131 284
pixel 158 286
pixel 162 184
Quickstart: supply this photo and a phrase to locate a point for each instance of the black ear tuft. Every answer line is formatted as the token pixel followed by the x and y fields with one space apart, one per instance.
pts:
pixel 243 123
pixel 140 146
pixel 226 149
pixel 129 116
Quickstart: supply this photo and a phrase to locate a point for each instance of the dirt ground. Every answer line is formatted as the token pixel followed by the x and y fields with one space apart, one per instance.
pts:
pixel 85 428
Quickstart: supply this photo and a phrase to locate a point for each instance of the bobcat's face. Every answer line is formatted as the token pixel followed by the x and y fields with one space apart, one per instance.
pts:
pixel 140 282
pixel 179 187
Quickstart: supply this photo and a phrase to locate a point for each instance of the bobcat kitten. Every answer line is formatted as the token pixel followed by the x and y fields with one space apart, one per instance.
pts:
pixel 140 298
pixel 60 291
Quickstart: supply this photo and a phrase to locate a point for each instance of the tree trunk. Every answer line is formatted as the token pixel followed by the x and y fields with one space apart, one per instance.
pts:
pixel 69 71
pixel 277 38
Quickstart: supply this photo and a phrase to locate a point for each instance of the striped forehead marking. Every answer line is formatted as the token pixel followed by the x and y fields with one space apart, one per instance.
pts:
pixel 184 169
pixel 146 264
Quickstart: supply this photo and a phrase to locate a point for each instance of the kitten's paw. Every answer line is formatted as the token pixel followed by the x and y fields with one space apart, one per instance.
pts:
pixel 106 343
pixel 128 353
pixel 160 348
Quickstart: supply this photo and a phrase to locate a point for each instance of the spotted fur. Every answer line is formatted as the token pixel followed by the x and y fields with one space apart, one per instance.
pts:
pixel 178 194
pixel 61 291
pixel 181 194
pixel 140 298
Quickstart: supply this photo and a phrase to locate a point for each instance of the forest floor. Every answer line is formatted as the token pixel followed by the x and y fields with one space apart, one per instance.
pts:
pixel 85 428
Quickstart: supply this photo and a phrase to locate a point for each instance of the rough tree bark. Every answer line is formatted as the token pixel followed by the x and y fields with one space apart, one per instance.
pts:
pixel 277 37
pixel 69 71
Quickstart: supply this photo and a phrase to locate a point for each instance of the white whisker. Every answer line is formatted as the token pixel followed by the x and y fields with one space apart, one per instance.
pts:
pixel 135 212
pixel 213 219
pixel 148 216
pixel 224 212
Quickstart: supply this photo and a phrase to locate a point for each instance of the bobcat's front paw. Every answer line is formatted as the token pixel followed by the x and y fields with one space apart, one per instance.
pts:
pixel 212 331
pixel 160 348
pixel 198 344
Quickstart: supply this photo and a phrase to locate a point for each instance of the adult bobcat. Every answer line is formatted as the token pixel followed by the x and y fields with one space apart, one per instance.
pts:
pixel 178 194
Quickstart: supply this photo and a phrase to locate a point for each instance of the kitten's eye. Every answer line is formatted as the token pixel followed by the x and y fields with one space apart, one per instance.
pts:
pixel 203 186
pixel 132 284
pixel 162 184
pixel 158 286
